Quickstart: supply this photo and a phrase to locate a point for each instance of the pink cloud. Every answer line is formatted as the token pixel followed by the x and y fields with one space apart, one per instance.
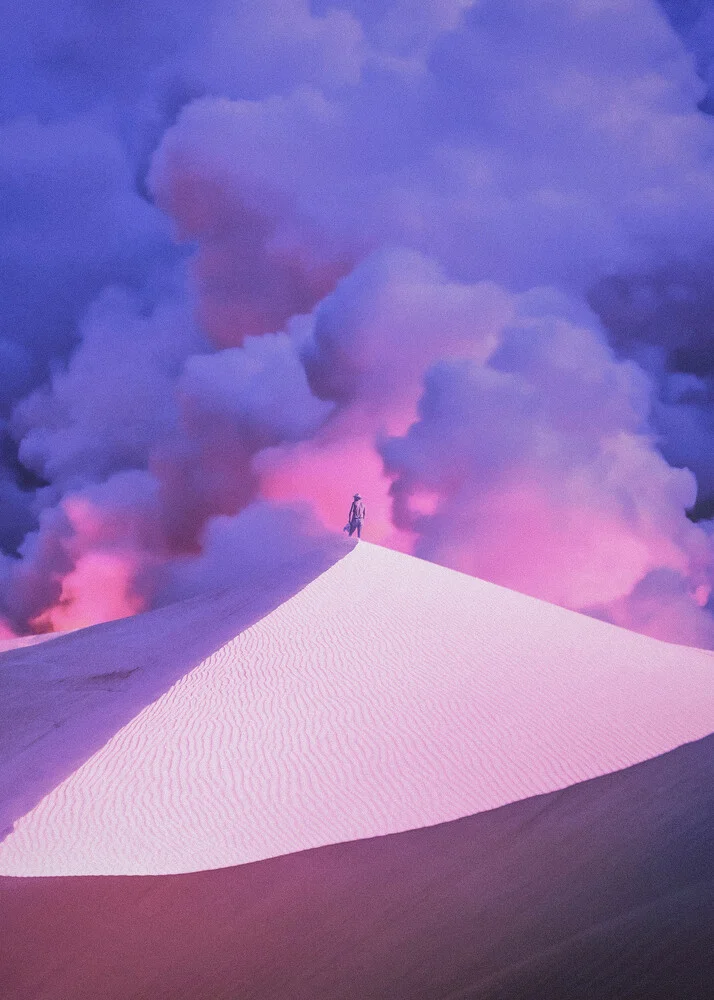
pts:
pixel 98 589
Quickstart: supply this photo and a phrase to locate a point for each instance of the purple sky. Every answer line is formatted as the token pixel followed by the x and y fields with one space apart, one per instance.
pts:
pixel 259 255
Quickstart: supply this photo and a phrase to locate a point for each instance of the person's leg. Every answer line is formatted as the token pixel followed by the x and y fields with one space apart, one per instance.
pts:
pixel 352 528
pixel 359 529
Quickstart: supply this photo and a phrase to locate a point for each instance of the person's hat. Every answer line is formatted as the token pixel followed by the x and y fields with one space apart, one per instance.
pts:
pixel 357 496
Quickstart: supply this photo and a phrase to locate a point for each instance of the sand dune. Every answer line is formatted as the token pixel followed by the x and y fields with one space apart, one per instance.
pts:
pixel 387 694
pixel 604 891
pixel 20 641
pixel 61 703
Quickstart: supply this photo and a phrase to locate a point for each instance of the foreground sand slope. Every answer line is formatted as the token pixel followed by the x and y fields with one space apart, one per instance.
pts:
pixel 604 891
pixel 387 694
pixel 62 702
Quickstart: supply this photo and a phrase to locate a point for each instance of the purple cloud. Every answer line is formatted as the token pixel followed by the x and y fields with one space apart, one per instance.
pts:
pixel 253 251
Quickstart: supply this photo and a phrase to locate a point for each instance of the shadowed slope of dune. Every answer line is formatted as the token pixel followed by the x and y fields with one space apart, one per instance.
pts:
pixel 387 694
pixel 602 891
pixel 61 701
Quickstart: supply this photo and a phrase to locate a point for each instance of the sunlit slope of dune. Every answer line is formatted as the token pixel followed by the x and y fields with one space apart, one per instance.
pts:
pixel 389 693
pixel 61 702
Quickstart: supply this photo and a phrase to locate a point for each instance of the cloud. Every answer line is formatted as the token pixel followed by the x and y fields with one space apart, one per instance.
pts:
pixel 115 400
pixel 252 544
pixel 538 471
pixel 232 404
pixel 253 50
pixel 254 252
pixel 229 173
pixel 374 335
pixel 663 606
pixel 143 442
pixel 72 224
pixel 663 319
pixel 63 577
pixel 486 152
pixel 694 20
pixel 364 349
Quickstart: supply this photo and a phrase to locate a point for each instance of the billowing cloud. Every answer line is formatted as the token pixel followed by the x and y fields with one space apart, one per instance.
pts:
pixel 91 557
pixel 72 224
pixel 252 545
pixel 537 470
pixel 694 20
pixel 232 405
pixel 230 174
pixel 485 151
pixel 114 400
pixel 264 254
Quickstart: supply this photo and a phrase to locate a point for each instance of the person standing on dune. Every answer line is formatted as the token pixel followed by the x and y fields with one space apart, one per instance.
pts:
pixel 356 516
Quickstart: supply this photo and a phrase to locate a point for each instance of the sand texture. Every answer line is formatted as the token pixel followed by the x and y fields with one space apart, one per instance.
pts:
pixel 386 694
pixel 603 891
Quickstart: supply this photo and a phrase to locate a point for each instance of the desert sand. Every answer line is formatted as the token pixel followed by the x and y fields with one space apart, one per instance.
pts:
pixel 358 693
pixel 603 891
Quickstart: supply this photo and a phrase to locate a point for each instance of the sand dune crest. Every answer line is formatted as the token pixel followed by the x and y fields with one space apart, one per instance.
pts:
pixel 387 694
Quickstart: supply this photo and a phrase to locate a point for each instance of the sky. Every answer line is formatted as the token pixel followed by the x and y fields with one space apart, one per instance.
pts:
pixel 456 256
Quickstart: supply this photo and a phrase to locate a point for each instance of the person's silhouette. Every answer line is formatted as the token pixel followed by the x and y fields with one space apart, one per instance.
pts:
pixel 356 517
